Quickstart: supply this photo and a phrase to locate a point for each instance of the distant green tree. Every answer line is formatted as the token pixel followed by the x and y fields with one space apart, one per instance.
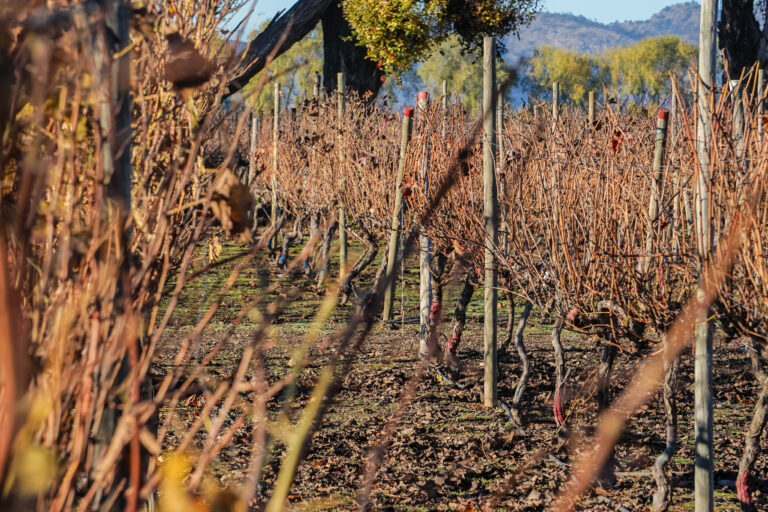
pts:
pixel 576 73
pixel 462 68
pixel 641 71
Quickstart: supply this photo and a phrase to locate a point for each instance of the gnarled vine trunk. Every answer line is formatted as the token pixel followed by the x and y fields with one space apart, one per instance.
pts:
pixel 525 362
pixel 756 426
pixel 663 492
pixel 558 407
pixel 460 318
pixel 439 263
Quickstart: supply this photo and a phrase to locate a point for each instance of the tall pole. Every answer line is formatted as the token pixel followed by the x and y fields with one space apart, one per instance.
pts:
pixel 500 129
pixel 275 136
pixel 555 101
pixel 425 245
pixel 445 96
pixel 591 109
pixel 703 471
pixel 500 165
pixel 760 104
pixel 655 200
pixel 252 152
pixel 115 124
pixel 253 217
pixel 737 134
pixel 491 215
pixel 394 236
pixel 341 86
pixel 316 87
pixel 673 115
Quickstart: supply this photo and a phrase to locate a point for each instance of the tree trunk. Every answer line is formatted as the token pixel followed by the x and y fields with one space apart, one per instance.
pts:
pixel 285 29
pixel 739 35
pixel 606 477
pixel 460 318
pixel 525 362
pixel 439 263
pixel 663 492
pixel 341 54
pixel 371 250
pixel 510 331
pixel 756 427
pixel 288 240
pixel 325 250
pixel 559 401
pixel 604 376
pixel 314 229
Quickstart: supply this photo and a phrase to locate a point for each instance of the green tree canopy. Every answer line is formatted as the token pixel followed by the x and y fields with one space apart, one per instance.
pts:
pixel 461 68
pixel 398 33
pixel 577 73
pixel 642 70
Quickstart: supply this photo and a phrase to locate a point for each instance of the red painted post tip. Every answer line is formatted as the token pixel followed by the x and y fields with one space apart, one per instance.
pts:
pixel 408 112
pixel 664 114
pixel 422 96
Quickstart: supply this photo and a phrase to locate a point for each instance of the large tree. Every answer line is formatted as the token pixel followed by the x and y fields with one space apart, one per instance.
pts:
pixel 460 69
pixel 740 36
pixel 340 52
pixel 366 38
pixel 398 33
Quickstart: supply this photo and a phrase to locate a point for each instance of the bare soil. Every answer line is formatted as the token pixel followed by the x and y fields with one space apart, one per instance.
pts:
pixel 449 452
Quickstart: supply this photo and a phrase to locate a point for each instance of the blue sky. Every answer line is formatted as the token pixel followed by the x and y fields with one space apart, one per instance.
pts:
pixel 605 11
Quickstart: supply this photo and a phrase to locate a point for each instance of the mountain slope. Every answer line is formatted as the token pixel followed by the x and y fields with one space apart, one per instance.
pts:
pixel 584 35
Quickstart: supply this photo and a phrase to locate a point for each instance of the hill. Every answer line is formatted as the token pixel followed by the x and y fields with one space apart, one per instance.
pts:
pixel 584 35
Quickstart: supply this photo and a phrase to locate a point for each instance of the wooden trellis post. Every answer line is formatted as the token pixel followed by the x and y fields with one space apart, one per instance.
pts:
pixel 737 103
pixel 501 167
pixel 444 98
pixel 253 216
pixel 425 244
pixel 491 215
pixel 591 109
pixel 394 237
pixel 760 103
pixel 316 87
pixel 654 203
pixel 341 86
pixel 275 136
pixel 703 469
pixel 252 152
pixel 115 125
pixel 673 115
pixel 555 101
pixel 500 128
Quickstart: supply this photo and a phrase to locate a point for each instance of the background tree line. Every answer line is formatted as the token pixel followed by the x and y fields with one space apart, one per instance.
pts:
pixel 640 72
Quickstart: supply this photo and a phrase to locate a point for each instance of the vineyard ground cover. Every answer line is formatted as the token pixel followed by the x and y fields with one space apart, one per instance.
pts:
pixel 450 453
